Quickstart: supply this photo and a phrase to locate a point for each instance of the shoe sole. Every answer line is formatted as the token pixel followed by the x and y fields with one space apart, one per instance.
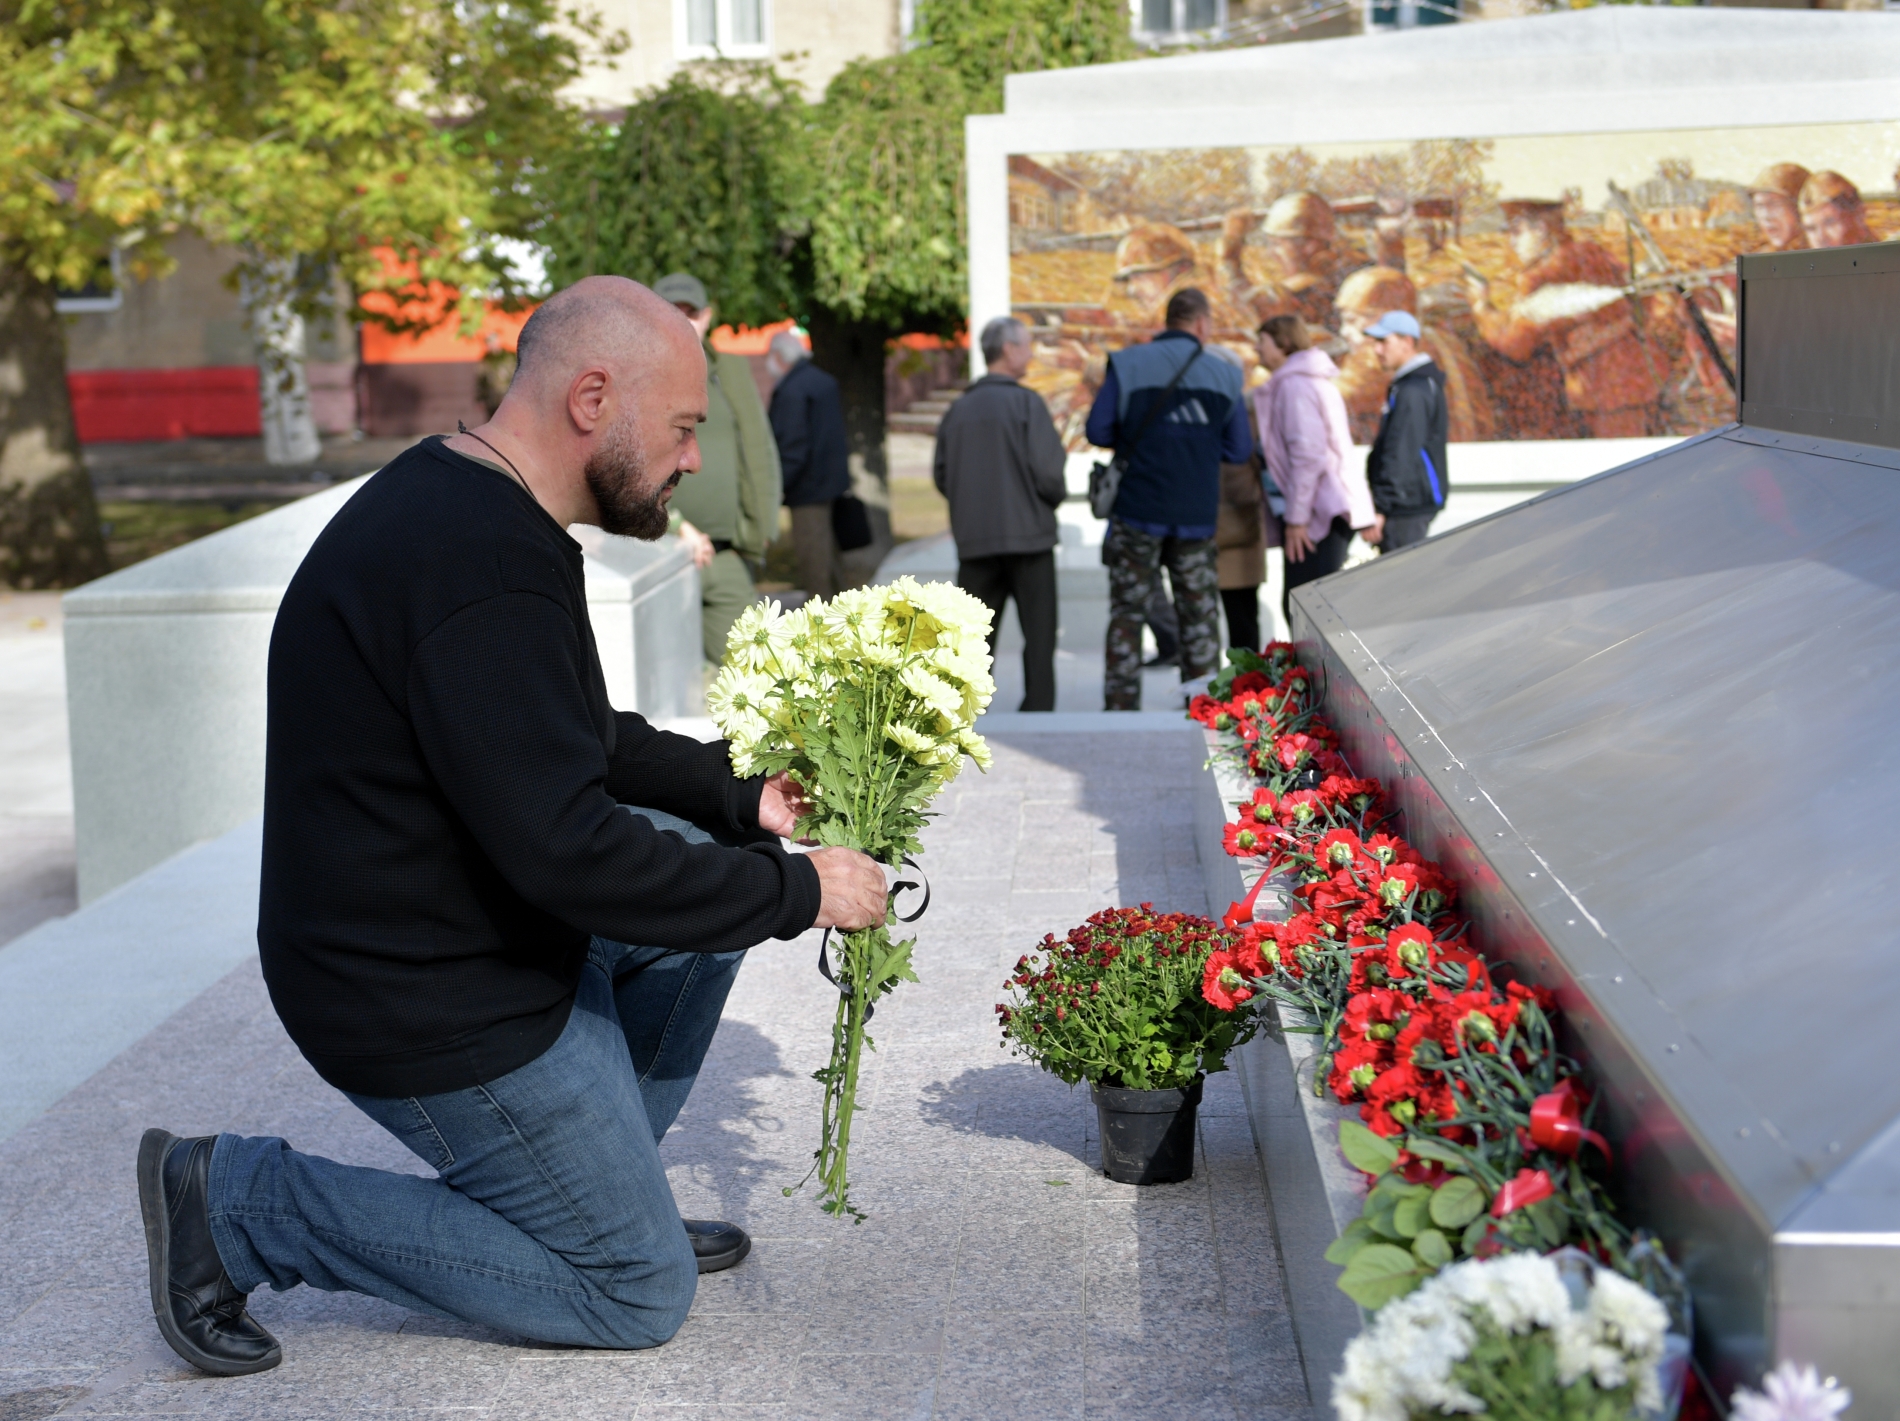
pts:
pixel 731 1258
pixel 152 1149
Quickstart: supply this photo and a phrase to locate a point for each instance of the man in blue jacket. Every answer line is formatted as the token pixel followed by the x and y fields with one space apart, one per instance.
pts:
pixel 1173 442
pixel 1406 465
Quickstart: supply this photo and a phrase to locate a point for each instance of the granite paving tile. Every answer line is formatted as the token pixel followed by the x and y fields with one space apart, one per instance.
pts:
pixel 852 1387
pixel 579 1389
pixel 1010 1365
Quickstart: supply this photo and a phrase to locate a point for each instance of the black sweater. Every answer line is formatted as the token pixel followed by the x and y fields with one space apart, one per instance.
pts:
pixel 1405 467
pixel 442 780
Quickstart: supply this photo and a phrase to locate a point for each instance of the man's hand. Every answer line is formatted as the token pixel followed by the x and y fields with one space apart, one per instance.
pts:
pixel 697 543
pixel 1294 542
pixel 1374 532
pixel 853 886
pixel 781 803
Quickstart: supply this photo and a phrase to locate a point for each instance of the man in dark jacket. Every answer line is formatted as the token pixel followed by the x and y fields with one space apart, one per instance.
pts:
pixel 808 422
pixel 1169 501
pixel 1406 466
pixel 452 876
pixel 999 462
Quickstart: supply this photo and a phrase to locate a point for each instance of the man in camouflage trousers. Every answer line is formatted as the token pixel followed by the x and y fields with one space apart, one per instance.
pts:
pixel 1134 561
pixel 1169 501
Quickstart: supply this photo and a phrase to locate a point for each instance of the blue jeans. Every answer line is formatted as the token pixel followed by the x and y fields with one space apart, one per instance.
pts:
pixel 551 1217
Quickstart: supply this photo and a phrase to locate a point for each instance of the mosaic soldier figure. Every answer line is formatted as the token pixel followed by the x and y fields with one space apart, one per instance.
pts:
pixel 1570 299
pixel 1153 262
pixel 1305 259
pixel 1364 297
pixel 1775 196
pixel 1831 212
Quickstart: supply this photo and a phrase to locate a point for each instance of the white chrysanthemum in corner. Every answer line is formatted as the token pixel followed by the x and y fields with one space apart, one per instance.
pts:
pixel 1791 1393
pixel 1411 1361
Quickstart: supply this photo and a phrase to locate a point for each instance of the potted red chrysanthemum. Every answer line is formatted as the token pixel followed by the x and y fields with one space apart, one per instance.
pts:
pixel 1141 1005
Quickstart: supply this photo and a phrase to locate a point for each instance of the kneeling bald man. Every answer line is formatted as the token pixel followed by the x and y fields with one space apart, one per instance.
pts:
pixel 454 870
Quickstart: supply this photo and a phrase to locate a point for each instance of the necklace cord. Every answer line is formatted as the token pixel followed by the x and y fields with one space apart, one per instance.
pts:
pixel 461 428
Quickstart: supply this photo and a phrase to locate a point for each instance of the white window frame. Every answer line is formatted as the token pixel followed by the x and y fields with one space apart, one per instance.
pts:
pixel 1178 34
pixel 112 301
pixel 722 23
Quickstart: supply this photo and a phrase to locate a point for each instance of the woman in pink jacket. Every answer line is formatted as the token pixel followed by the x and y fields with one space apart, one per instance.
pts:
pixel 1308 444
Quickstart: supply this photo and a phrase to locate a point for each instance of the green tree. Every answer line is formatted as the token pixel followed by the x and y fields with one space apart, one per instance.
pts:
pixel 704 174
pixel 888 249
pixel 312 137
pixel 848 214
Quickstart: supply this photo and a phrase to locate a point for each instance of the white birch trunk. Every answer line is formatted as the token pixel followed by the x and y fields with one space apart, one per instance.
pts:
pixel 265 291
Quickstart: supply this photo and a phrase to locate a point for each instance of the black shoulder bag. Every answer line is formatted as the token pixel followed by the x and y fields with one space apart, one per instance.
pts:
pixel 1105 480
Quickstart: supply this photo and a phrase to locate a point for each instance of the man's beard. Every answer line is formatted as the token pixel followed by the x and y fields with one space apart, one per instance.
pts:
pixel 617 477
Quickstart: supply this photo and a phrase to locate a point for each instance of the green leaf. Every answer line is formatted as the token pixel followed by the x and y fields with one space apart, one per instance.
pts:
pixel 1412 1214
pixel 1379 1273
pixel 1357 1235
pixel 1443 1151
pixel 1432 1249
pixel 1457 1202
pixel 1474 1233
pixel 1364 1150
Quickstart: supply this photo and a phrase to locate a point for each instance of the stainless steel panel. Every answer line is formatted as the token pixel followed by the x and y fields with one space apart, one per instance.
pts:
pixel 1821 342
pixel 1645 720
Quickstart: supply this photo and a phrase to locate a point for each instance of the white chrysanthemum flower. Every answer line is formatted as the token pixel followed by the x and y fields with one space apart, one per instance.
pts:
pixel 931 689
pixel 853 619
pixel 1791 1393
pixel 1403 1362
pixel 909 739
pixel 976 747
pixel 740 703
pixel 750 645
pixel 955 607
pixel 1629 1314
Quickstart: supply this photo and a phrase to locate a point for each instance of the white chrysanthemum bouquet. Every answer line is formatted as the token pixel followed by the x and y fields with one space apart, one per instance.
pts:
pixel 870 702
pixel 1518 1335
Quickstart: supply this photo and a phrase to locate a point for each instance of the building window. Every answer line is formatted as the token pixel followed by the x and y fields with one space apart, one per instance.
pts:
pixel 730 29
pixel 102 293
pixel 1159 21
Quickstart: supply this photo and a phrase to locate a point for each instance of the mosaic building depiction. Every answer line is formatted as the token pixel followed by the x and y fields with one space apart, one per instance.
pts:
pixel 1570 286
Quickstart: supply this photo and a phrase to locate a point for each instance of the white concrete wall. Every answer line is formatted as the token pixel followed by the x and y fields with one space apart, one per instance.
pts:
pixel 165 676
pixel 1485 479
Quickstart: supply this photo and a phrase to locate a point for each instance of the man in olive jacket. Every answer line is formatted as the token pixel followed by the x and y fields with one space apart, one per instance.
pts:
pixel 999 462
pixel 730 512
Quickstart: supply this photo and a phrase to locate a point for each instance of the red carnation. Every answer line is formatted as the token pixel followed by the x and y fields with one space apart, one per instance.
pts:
pixel 1246 840
pixel 1222 983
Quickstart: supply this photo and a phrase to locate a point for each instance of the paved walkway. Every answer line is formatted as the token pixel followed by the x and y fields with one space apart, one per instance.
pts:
pixel 999 1276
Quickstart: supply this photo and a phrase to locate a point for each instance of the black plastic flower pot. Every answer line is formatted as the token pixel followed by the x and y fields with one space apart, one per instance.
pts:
pixel 1147 1135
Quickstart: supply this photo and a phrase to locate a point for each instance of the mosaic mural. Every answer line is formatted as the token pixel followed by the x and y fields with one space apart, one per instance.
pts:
pixel 1570 286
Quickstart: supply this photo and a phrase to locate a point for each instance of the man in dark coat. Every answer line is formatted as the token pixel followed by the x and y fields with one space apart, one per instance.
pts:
pixel 808 421
pixel 999 462
pixel 1406 466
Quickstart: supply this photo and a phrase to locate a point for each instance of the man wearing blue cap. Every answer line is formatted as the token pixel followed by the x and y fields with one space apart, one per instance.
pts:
pixel 1406 468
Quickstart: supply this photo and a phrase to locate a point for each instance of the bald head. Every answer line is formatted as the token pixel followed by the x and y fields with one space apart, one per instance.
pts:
pixel 609 390
pixel 605 321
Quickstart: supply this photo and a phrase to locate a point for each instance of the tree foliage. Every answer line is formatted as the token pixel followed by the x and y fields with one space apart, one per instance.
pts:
pixel 705 174
pixel 984 40
pixel 312 137
pixel 887 215
pixel 854 205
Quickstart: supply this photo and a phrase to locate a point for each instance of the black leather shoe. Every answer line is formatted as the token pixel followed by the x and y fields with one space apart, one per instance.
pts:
pixel 717 1245
pixel 200 1312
